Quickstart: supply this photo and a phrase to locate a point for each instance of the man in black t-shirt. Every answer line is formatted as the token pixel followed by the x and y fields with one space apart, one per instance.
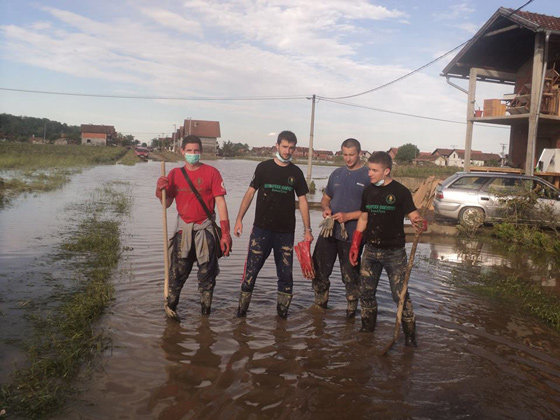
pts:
pixel 385 202
pixel 277 181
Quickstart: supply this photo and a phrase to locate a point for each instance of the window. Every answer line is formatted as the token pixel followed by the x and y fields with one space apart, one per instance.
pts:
pixel 469 182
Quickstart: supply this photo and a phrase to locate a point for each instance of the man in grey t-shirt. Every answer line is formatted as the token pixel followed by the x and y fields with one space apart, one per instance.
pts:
pixel 341 201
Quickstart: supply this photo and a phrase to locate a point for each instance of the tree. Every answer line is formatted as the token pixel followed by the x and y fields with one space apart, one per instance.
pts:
pixel 407 153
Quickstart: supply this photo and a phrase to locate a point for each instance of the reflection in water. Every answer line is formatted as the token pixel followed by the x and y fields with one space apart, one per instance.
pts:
pixel 476 358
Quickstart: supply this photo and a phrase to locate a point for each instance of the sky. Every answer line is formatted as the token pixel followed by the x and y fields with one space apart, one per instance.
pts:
pixel 252 65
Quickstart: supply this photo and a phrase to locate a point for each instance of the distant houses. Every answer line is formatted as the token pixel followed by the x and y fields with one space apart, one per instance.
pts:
pixel 97 135
pixel 208 131
pixel 452 157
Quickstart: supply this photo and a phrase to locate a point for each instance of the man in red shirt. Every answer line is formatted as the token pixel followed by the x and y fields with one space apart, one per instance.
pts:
pixel 194 239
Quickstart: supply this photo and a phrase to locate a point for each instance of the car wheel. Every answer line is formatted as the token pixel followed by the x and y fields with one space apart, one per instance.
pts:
pixel 471 216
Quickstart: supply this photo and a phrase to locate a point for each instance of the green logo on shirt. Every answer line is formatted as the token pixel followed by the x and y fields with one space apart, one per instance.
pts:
pixel 275 188
pixel 390 199
pixel 377 208
pixel 291 180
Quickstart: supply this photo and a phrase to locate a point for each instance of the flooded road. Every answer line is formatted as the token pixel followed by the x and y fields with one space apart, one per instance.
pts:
pixel 476 358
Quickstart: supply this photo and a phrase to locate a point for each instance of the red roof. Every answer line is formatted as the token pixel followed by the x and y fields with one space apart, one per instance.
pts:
pixel 103 129
pixel 551 23
pixel 202 128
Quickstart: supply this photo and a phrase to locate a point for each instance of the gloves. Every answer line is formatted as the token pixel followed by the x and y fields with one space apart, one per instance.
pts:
pixel 161 184
pixel 420 225
pixel 343 231
pixel 303 253
pixel 355 247
pixel 327 227
pixel 225 241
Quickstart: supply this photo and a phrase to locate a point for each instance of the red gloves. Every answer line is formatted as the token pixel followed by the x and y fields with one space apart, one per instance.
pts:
pixel 303 254
pixel 355 248
pixel 225 241
pixel 420 225
pixel 161 184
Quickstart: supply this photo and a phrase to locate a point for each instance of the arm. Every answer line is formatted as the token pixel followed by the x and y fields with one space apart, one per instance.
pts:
pixel 362 221
pixel 304 210
pixel 245 203
pixel 344 217
pixel 326 205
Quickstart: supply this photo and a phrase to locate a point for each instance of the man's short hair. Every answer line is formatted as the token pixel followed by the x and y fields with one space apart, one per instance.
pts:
pixel 381 158
pixel 352 143
pixel 288 136
pixel 191 139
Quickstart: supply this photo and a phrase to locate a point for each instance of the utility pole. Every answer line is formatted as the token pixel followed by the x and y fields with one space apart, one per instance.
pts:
pixel 503 160
pixel 310 150
pixel 45 132
pixel 176 137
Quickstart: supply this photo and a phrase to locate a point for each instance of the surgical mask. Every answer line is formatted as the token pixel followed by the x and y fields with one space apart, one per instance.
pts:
pixel 281 159
pixel 192 159
pixel 380 182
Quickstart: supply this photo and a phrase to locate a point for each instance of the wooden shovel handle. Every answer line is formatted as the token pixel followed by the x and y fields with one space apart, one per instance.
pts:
pixel 165 237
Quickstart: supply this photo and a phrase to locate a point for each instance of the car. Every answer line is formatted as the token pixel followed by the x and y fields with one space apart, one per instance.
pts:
pixel 142 152
pixel 480 197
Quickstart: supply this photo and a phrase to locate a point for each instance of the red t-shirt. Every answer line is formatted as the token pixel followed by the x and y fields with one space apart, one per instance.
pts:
pixel 209 183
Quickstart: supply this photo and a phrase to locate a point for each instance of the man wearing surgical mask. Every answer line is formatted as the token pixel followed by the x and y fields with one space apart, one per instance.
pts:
pixel 195 240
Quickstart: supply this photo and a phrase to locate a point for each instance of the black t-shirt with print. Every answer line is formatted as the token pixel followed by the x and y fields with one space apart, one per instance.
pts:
pixel 276 186
pixel 386 207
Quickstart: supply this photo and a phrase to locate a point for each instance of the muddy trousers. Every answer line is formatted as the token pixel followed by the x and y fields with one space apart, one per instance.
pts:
pixel 261 243
pixel 324 256
pixel 394 261
pixel 180 269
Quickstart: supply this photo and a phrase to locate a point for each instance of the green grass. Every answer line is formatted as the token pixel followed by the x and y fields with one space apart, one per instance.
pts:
pixel 66 339
pixel 40 156
pixel 44 167
pixel 520 293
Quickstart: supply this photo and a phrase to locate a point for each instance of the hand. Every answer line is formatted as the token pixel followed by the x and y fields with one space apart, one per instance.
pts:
pixel 238 228
pixel 355 248
pixel 341 217
pixel 161 184
pixel 225 241
pixel 308 236
pixel 420 224
pixel 327 213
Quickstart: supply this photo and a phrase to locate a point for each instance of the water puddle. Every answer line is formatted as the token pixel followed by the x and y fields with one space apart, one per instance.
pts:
pixel 476 358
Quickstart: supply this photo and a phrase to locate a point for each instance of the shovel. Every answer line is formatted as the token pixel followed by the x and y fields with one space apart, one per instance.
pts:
pixel 168 311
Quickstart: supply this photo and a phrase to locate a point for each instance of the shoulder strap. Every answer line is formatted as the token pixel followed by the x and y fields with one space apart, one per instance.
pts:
pixel 197 194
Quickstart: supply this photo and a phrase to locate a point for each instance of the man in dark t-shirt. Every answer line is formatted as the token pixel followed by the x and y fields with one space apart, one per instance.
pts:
pixel 277 181
pixel 385 202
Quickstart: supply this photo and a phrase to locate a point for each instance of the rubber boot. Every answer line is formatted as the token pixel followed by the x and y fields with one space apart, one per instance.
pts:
pixel 409 329
pixel 244 301
pixel 283 303
pixel 206 302
pixel 351 308
pixel 321 299
pixel 369 319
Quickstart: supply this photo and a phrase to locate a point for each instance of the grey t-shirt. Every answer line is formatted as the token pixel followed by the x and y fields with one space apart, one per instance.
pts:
pixel 345 188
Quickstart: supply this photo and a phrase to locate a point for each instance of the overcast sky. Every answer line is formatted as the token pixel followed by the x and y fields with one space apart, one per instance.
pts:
pixel 285 50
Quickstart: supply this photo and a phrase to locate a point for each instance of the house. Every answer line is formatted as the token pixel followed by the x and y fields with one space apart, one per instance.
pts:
pixel 97 135
pixel 522 50
pixel 208 131
pixel 425 158
pixel 323 154
pixel 457 158
pixel 393 152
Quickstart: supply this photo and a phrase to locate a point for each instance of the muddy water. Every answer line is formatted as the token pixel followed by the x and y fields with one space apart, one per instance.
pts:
pixel 476 358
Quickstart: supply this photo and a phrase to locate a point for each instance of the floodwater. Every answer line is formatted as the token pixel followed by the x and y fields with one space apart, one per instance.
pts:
pixel 475 358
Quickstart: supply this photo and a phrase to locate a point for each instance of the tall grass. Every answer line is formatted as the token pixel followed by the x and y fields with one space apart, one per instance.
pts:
pixel 66 338
pixel 40 156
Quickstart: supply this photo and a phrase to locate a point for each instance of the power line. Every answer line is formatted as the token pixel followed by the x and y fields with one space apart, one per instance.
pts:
pixel 398 79
pixel 402 113
pixel 232 98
